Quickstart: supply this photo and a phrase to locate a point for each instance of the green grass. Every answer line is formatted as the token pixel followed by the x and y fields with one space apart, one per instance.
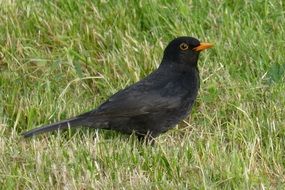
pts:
pixel 61 58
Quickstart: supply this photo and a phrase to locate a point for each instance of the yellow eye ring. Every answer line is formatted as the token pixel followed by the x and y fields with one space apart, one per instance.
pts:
pixel 183 46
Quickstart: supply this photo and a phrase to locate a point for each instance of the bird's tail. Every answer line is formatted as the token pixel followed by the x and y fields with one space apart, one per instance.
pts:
pixel 73 122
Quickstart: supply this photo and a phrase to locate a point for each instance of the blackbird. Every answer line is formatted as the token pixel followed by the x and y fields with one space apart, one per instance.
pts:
pixel 154 104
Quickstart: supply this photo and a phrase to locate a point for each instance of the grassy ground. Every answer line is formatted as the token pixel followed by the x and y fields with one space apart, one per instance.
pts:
pixel 60 58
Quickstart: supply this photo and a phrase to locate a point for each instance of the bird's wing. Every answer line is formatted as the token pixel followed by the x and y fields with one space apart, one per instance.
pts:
pixel 138 100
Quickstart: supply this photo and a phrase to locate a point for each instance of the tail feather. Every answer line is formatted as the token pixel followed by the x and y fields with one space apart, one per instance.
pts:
pixel 73 122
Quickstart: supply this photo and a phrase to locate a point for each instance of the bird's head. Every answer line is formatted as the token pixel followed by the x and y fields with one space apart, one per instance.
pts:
pixel 184 50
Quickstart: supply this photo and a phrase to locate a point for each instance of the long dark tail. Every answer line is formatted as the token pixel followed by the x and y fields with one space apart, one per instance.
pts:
pixel 73 122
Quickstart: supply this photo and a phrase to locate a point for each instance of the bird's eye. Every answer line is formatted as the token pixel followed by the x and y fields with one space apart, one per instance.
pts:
pixel 184 46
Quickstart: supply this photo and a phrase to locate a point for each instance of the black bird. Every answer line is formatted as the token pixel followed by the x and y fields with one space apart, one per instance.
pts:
pixel 151 106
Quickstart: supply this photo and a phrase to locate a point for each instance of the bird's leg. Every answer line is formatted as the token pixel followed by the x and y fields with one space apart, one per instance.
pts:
pixel 148 138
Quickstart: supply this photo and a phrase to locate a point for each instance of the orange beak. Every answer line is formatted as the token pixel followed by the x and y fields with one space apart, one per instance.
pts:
pixel 203 46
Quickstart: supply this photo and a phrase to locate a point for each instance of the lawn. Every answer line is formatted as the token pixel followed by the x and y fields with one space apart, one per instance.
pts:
pixel 64 57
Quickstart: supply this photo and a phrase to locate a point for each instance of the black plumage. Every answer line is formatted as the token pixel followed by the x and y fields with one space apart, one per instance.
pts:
pixel 151 106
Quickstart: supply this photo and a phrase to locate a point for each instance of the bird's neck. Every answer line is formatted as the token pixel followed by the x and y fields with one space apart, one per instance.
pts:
pixel 181 68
